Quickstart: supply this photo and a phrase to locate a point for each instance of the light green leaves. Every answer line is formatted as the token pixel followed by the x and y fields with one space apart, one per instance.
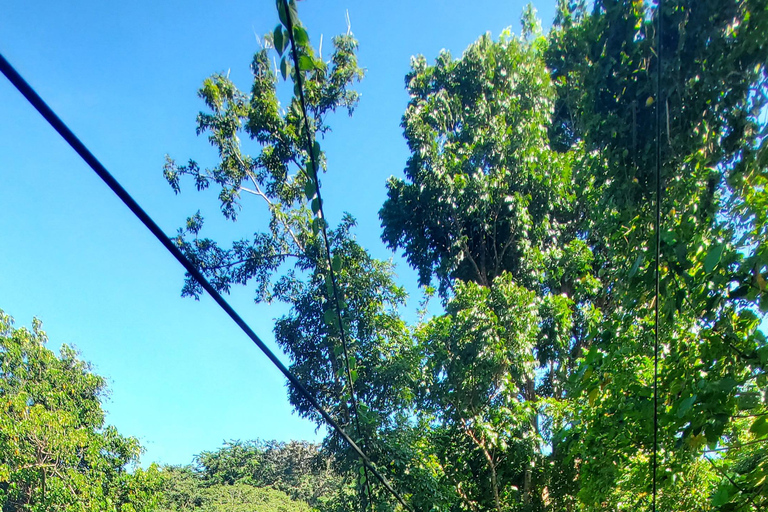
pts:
pixel 300 36
pixel 53 403
pixel 306 63
pixel 723 495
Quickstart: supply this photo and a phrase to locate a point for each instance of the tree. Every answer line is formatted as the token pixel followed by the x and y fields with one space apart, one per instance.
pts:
pixel 592 277
pixel 529 197
pixel 484 192
pixel 343 317
pixel 488 209
pixel 604 65
pixel 295 476
pixel 55 451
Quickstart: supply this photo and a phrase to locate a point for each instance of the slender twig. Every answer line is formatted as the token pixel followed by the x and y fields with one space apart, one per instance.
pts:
pixel 750 499
pixel 258 192
pixel 736 446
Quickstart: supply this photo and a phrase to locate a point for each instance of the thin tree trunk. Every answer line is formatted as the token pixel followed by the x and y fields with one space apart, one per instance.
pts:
pixel 491 465
pixel 530 395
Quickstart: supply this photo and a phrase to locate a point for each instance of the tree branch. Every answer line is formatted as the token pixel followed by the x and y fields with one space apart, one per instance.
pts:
pixel 258 192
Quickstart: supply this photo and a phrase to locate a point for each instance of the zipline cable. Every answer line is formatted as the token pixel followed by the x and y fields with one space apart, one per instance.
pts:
pixel 49 115
pixel 332 275
pixel 659 13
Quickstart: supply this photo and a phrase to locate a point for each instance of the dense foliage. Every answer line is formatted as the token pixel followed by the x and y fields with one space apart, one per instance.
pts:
pixel 529 201
pixel 255 477
pixel 56 454
pixel 529 198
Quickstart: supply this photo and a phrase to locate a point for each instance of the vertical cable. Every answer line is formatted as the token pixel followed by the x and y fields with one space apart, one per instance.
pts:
pixel 654 464
pixel 314 164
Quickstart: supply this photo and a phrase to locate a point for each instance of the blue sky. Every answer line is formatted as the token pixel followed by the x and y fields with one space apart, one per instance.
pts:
pixel 124 76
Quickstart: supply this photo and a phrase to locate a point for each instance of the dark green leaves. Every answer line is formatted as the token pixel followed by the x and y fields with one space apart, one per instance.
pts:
pixel 309 189
pixel 285 67
pixel 331 318
pixel 316 152
pixel 336 263
pixel 760 426
pixel 286 9
pixel 686 405
pixel 317 225
pixel 316 205
pixel 713 257
pixel 279 40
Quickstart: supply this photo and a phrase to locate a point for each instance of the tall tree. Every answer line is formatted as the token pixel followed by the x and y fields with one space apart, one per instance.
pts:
pixel 713 76
pixel 488 208
pixel 529 197
pixel 56 453
pixel 343 327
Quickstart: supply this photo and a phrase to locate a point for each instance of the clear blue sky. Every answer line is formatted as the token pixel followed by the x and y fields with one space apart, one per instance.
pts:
pixel 124 76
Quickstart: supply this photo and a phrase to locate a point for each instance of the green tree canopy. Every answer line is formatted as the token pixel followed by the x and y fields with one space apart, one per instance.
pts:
pixel 529 196
pixel 56 453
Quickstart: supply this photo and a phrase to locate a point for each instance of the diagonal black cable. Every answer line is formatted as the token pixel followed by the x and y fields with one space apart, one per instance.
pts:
pixel 655 463
pixel 334 284
pixel 29 93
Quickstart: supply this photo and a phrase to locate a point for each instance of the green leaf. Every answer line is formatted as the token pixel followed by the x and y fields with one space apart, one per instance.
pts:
pixel 336 263
pixel 317 225
pixel 277 39
pixel 316 152
pixel 285 68
pixel 293 13
pixel 727 384
pixel 686 405
pixel 330 318
pixel 306 63
pixel 282 12
pixel 748 400
pixel 722 496
pixel 300 36
pixel 760 426
pixel 636 265
pixel 353 375
pixel 309 189
pixel 316 205
pixel 713 258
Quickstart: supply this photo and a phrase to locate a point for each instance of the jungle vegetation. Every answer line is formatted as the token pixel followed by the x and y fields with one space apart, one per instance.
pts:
pixel 527 206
